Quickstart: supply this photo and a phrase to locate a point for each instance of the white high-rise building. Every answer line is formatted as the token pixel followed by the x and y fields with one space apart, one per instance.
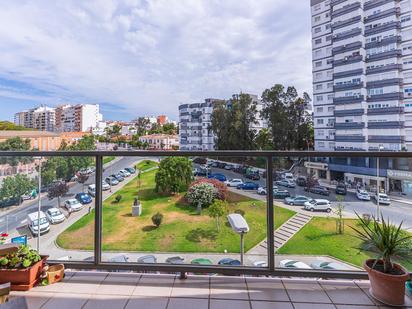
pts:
pixel 77 118
pixel 40 118
pixel 362 77
pixel 195 123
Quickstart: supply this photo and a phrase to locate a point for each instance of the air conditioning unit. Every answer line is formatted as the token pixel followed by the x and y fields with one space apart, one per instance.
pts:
pixel 346 58
pixel 367 56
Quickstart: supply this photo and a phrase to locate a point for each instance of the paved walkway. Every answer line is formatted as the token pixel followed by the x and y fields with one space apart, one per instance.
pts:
pixel 284 233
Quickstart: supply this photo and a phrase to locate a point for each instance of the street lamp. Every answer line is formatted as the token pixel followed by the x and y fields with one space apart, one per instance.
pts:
pixel 378 212
pixel 239 226
pixel 38 203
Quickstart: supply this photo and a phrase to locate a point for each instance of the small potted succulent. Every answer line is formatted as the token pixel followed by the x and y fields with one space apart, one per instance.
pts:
pixel 389 242
pixel 21 267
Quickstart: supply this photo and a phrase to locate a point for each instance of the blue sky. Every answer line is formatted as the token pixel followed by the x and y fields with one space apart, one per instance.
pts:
pixel 139 57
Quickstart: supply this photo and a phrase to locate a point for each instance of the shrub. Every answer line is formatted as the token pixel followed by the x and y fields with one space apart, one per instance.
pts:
pixel 217 210
pixel 221 188
pixel 118 198
pixel 201 195
pixel 23 258
pixel 240 212
pixel 157 219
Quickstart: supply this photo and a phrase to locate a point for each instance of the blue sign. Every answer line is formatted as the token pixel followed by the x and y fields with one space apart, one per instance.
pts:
pixel 21 240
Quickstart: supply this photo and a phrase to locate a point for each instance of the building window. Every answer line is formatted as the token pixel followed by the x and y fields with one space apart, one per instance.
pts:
pixel 319 98
pixel 317 19
pixel 329 38
pixel 319 109
pixel 319 121
pixel 318 64
pixel 318 41
pixel 319 87
pixel 316 7
pixel 318 29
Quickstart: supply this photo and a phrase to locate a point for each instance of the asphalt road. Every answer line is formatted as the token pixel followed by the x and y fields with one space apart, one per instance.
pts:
pixel 396 212
pixel 16 218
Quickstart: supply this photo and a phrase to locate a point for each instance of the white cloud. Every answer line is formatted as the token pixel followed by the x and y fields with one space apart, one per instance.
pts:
pixel 149 56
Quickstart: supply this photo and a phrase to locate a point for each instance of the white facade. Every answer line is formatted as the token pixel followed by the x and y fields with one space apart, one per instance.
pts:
pixel 161 141
pixel 78 118
pixel 41 118
pixel 362 74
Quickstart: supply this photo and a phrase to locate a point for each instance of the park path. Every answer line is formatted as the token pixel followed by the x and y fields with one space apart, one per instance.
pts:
pixel 282 235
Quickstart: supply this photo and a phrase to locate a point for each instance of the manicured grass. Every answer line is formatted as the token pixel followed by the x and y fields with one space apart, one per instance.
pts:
pixel 182 229
pixel 319 237
pixel 108 159
pixel 146 164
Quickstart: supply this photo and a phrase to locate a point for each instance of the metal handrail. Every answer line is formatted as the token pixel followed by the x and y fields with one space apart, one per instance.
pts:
pixel 270 270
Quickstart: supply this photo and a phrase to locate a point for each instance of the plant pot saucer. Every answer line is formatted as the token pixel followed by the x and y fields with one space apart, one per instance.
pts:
pixel 381 301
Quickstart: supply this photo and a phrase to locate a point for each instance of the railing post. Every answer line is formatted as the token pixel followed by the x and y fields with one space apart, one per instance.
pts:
pixel 270 213
pixel 98 211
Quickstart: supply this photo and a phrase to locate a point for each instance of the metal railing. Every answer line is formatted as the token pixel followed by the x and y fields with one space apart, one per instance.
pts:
pixel 270 270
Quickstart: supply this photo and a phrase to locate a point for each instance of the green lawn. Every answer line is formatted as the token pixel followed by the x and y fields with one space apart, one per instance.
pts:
pixel 146 164
pixel 181 231
pixel 108 159
pixel 319 237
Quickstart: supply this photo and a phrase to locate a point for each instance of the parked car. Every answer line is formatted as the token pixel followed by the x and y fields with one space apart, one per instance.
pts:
pixel 260 263
pixel 175 260
pixel 294 264
pixel 72 205
pixel 124 173
pixel 234 182
pixel 201 261
pixel 217 176
pixel 111 181
pixel 318 190
pixel 383 199
pixel 201 171
pixel 229 262
pixel 288 176
pixel 7 202
pixel 248 186
pixel 147 259
pixel 200 160
pixel 325 265
pixel 119 177
pixel 318 205
pixel 301 181
pixel 86 171
pixel 281 194
pixel 36 222
pixel 221 165
pixel 298 200
pixel 363 195
pixel 286 183
pixel 229 167
pixel 263 190
pixel 54 215
pixel 131 170
pixel 341 189
pixel 105 186
pixel 83 198
pixel 253 176
pixel 91 189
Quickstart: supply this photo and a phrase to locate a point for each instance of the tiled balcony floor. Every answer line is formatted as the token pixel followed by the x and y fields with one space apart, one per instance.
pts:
pixel 103 290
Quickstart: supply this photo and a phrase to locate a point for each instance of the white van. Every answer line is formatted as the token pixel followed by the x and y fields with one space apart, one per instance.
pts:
pixel 33 223
pixel 288 176
pixel 92 190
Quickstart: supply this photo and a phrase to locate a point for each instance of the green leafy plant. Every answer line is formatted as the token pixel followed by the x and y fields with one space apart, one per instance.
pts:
pixel 201 195
pixel 118 198
pixel 24 257
pixel 240 212
pixel 157 219
pixel 217 210
pixel 387 240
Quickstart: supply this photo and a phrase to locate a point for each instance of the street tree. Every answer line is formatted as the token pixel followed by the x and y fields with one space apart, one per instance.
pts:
pixel 142 124
pixel 58 190
pixel 16 186
pixel 82 179
pixel 233 122
pixel 311 181
pixel 217 210
pixel 15 144
pixel 174 175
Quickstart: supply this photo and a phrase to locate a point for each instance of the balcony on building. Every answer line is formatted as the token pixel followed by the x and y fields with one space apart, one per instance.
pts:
pixel 346 9
pixel 348 99
pixel 385 110
pixel 349 125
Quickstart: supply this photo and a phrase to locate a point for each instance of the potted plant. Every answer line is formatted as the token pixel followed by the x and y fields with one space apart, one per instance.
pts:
pixel 21 267
pixel 389 242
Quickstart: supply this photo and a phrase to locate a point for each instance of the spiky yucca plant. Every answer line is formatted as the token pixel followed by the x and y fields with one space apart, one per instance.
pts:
pixel 385 239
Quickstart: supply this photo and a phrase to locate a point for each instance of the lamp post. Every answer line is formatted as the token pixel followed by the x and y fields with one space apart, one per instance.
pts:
pixel 378 211
pixel 38 204
pixel 239 226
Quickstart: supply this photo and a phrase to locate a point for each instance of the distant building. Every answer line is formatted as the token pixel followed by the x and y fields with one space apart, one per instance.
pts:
pixel 78 118
pixel 39 140
pixel 161 141
pixel 195 123
pixel 128 130
pixel 40 118
pixel 72 137
pixel 162 119
pixel 100 128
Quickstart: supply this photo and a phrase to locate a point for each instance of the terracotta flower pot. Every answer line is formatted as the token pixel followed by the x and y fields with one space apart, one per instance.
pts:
pixel 387 288
pixel 23 279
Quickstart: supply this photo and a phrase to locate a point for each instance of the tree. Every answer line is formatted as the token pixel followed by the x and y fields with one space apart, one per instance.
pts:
pixel 232 123
pixel 311 181
pixel 15 144
pixel 264 140
pixel 174 175
pixel 217 210
pixel 289 123
pixel 9 126
pixel 201 195
pixel 221 191
pixel 157 219
pixel 16 186
pixel 155 129
pixel 141 125
pixel 82 178
pixel 169 128
pixel 340 221
pixel 58 190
